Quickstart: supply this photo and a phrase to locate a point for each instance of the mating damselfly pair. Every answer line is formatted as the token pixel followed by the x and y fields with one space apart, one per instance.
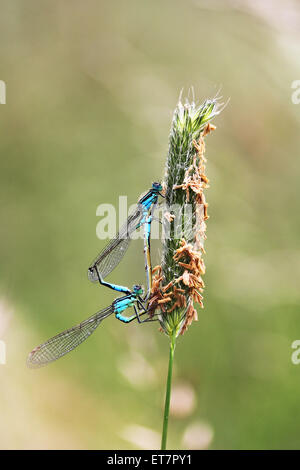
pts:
pixel 102 266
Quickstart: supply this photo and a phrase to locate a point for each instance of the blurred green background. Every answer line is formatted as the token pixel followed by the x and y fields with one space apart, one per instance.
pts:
pixel 91 87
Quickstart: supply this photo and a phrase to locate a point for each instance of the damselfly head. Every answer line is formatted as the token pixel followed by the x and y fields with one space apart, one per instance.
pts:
pixel 157 186
pixel 137 289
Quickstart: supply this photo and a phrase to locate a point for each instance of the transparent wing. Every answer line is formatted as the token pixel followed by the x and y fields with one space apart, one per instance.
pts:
pixel 65 342
pixel 113 253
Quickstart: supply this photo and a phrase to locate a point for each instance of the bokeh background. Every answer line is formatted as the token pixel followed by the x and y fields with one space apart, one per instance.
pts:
pixel 91 87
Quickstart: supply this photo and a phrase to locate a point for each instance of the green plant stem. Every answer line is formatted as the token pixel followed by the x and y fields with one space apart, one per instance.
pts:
pixel 168 391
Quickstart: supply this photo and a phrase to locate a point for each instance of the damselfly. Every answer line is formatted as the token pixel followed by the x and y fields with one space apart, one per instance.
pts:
pixel 65 342
pixel 113 253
